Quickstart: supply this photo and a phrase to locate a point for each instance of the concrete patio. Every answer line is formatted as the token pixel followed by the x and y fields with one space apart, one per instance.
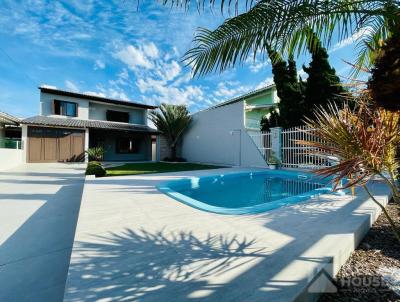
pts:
pixel 39 205
pixel 134 243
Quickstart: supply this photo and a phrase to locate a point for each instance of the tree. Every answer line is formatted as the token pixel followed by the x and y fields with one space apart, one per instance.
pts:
pixel 364 141
pixel 171 121
pixel 323 85
pixel 289 90
pixel 286 26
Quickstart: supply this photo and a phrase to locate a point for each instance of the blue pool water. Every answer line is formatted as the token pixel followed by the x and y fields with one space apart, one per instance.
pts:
pixel 245 193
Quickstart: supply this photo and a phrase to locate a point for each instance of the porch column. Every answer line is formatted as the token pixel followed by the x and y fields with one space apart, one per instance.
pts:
pixel 86 145
pixel 276 141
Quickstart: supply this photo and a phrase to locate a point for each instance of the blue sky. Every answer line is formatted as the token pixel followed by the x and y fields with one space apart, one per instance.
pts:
pixel 110 48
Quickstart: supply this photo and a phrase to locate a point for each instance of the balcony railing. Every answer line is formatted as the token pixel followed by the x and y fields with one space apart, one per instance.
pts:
pixel 8 143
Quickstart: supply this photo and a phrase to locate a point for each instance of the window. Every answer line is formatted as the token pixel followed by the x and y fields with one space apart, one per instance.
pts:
pixel 65 108
pixel 117 116
pixel 127 145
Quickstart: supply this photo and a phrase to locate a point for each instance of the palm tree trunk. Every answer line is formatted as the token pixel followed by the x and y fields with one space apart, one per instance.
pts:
pixel 173 151
pixel 395 230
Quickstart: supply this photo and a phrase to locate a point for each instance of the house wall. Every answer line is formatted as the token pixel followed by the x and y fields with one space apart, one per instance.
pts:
pixel 218 136
pixel 268 98
pixel 46 105
pixel 98 111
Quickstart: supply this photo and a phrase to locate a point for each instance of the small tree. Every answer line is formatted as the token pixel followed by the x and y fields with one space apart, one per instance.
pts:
pixel 171 121
pixel 323 85
pixel 364 140
pixel 289 90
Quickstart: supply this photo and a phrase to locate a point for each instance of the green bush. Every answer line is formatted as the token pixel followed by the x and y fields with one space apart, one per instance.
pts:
pixel 95 168
pixel 96 153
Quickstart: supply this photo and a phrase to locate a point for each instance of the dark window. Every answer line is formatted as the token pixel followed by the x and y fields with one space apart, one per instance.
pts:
pixel 117 116
pixel 65 108
pixel 127 145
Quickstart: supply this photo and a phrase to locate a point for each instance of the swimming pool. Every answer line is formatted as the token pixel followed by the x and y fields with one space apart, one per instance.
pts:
pixel 245 192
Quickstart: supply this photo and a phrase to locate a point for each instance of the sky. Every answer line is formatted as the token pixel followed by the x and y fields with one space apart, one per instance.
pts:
pixel 116 49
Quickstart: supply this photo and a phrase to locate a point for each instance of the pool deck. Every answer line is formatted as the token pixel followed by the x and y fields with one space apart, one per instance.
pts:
pixel 134 243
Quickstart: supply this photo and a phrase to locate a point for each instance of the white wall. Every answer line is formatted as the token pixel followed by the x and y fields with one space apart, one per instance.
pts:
pixel 218 136
pixel 46 105
pixel 10 158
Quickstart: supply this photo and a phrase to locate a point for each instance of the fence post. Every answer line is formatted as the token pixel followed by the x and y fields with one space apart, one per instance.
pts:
pixel 276 141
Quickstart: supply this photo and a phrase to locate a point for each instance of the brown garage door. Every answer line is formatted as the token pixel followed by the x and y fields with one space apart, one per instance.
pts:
pixel 55 145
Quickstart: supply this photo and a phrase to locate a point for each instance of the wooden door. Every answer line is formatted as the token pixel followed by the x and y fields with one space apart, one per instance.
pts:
pixel 64 144
pixel 55 145
pixel 77 146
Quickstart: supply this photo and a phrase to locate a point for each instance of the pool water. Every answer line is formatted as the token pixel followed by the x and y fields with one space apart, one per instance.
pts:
pixel 244 193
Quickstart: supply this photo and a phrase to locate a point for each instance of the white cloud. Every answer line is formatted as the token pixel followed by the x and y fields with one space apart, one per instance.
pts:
pixel 94 93
pixel 71 86
pixel 99 64
pixel 257 64
pixel 169 71
pixel 268 81
pixel 48 86
pixel 350 40
pixel 151 50
pixel 230 89
pixel 134 57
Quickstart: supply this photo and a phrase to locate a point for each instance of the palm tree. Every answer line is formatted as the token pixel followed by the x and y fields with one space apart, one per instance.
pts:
pixel 289 27
pixel 364 141
pixel 171 121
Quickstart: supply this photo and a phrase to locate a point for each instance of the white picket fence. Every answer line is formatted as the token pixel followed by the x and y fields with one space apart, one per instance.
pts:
pixel 295 155
pixel 292 154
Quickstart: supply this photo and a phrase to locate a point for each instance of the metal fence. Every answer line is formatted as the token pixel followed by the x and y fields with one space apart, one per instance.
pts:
pixel 263 142
pixel 8 143
pixel 295 155
pixel 292 154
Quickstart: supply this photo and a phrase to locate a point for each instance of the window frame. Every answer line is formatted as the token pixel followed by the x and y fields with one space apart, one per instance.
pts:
pixel 134 147
pixel 124 114
pixel 63 108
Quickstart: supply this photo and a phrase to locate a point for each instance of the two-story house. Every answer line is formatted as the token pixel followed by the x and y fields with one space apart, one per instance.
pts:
pixel 69 123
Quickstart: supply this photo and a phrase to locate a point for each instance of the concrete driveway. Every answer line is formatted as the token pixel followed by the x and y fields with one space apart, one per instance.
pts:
pixel 39 206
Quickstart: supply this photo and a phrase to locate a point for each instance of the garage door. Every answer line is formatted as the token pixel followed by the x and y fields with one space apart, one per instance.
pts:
pixel 55 145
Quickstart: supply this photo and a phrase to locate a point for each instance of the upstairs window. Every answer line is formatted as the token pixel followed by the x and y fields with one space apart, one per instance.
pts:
pixel 117 116
pixel 65 108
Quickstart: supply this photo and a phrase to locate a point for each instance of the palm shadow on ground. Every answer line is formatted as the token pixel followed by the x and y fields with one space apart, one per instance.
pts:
pixel 178 263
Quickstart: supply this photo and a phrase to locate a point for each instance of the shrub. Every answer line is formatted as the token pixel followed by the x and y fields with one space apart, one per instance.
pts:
pixel 95 153
pixel 95 168
pixel 176 159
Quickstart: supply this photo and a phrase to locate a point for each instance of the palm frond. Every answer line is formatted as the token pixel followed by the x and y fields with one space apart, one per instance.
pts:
pixel 288 27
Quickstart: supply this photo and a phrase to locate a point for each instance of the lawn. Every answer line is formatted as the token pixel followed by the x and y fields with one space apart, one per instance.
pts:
pixel 146 168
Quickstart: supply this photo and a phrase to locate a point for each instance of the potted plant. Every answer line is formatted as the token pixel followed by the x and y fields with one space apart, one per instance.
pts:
pixel 273 161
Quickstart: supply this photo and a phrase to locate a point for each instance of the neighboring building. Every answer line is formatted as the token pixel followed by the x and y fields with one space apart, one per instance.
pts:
pixel 220 134
pixel 9 126
pixel 69 123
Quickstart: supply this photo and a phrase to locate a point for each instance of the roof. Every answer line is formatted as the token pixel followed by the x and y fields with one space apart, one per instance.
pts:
pixel 8 119
pixel 94 98
pixel 243 96
pixel 90 124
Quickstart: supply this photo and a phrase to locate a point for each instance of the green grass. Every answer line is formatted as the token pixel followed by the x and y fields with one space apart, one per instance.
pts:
pixel 147 168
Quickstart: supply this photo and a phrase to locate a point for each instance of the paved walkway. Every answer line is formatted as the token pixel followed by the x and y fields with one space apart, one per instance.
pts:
pixel 134 243
pixel 39 205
